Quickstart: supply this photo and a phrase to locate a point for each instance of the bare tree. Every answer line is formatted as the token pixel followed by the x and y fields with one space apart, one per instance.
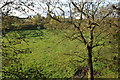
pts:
pixel 93 25
pixel 9 7
pixel 88 10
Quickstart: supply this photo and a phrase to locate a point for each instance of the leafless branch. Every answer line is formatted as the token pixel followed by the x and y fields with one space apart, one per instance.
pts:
pixel 98 45
pixel 102 38
pixel 97 8
pixel 106 15
pixel 28 7
pixel 80 10
pixel 55 18
pixel 7 3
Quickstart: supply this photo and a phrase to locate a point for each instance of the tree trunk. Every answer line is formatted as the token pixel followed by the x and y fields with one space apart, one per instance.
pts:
pixel 90 65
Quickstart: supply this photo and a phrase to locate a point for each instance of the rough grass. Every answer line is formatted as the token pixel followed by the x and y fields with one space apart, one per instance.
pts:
pixel 48 54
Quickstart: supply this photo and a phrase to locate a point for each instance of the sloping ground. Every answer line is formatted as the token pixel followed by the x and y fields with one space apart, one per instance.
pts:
pixel 49 54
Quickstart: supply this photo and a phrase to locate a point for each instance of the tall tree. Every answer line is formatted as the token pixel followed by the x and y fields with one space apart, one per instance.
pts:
pixel 89 11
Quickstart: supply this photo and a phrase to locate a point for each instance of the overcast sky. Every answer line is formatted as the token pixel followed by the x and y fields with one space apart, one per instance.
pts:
pixel 17 13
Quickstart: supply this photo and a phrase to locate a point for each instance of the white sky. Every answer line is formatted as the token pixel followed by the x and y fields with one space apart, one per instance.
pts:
pixel 65 8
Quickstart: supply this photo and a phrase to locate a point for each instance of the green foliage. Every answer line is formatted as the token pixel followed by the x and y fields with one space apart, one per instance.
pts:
pixel 47 53
pixel 98 66
pixel 9 23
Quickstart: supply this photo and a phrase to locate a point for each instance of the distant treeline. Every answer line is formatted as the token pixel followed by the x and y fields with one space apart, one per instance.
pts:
pixel 38 22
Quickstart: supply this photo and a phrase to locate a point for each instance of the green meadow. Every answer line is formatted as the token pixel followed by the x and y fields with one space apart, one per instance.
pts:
pixel 47 53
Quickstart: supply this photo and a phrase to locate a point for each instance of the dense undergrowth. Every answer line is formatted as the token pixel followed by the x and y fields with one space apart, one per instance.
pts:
pixel 47 53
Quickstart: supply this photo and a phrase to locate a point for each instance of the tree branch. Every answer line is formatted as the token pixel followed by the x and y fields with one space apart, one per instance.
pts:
pixel 81 34
pixel 102 38
pixel 55 18
pixel 80 10
pixel 28 7
pixel 7 3
pixel 106 15
pixel 98 45
pixel 97 8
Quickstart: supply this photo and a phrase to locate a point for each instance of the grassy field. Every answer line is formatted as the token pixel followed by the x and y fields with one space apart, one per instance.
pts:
pixel 49 54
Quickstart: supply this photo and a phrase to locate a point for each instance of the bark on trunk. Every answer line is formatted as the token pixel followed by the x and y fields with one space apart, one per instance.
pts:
pixel 90 65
